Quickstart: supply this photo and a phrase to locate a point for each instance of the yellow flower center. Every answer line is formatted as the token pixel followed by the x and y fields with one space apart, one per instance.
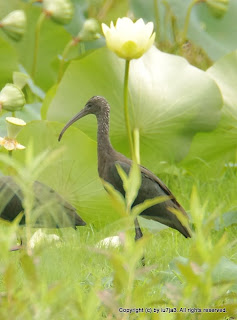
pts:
pixel 129 48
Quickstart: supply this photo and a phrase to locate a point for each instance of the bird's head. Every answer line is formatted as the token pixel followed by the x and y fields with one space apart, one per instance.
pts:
pixel 96 105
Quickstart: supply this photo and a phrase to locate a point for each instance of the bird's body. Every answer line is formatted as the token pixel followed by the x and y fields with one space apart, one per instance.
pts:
pixel 50 209
pixel 151 186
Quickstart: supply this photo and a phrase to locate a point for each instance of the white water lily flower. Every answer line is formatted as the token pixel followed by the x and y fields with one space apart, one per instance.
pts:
pixel 10 144
pixel 127 39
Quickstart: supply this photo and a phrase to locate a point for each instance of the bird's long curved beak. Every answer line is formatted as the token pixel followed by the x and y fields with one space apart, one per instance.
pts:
pixel 78 116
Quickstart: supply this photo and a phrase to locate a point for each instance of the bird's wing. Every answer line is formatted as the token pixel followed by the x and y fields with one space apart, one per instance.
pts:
pixel 58 206
pixel 146 174
pixel 169 212
pixel 161 184
pixel 10 198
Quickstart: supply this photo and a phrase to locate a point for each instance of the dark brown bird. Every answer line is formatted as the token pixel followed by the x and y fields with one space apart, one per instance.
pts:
pixel 50 209
pixel 151 186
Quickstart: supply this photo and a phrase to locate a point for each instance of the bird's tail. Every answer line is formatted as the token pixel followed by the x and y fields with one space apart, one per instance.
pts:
pixel 182 223
pixel 79 221
pixel 185 232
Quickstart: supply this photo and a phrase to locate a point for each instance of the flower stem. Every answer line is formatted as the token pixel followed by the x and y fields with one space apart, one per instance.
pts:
pixel 136 139
pixel 10 169
pixel 66 50
pixel 36 47
pixel 187 19
pixel 157 19
pixel 126 113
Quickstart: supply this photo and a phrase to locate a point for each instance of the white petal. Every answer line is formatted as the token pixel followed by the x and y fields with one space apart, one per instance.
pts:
pixel 113 40
pixel 127 39
pixel 139 23
pixel 112 27
pixel 151 41
pixel 124 23
pixel 145 39
pixel 149 27
pixel 105 28
pixel 20 146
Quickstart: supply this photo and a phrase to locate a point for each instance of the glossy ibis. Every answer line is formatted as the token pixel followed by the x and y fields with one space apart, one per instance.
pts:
pixel 50 209
pixel 151 186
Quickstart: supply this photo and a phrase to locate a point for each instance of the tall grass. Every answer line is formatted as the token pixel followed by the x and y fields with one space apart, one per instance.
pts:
pixel 77 280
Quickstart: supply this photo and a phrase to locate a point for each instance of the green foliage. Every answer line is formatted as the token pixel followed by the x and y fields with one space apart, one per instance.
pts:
pixel 160 108
pixel 131 183
pixel 223 152
pixel 184 123
pixel 7 68
pixel 52 40
pixel 73 176
pixel 205 30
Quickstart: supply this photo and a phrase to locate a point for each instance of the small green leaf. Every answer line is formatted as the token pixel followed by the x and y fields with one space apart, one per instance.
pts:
pixel 29 268
pixel 131 183
pixel 10 278
pixel 225 270
pixel 139 208
pixel 117 198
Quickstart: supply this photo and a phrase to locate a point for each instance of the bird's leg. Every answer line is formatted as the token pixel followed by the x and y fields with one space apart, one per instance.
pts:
pixel 138 231
pixel 139 235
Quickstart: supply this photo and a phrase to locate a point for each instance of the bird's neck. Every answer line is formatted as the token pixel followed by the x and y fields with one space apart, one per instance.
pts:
pixel 104 146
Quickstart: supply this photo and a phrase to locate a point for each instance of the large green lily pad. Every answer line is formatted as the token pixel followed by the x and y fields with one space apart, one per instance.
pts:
pixel 74 173
pixel 219 146
pixel 7 68
pixel 171 101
